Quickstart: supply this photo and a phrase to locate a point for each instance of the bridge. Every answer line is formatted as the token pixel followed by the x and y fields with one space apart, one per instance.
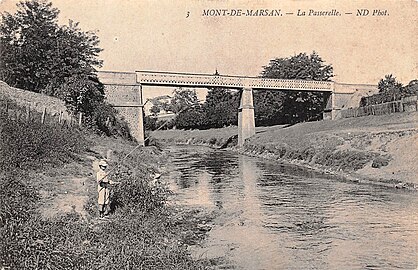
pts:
pixel 124 91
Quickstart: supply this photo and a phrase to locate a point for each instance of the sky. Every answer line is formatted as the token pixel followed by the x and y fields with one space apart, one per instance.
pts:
pixel 176 35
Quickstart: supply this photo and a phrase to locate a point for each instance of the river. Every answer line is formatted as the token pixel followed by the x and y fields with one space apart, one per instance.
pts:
pixel 275 216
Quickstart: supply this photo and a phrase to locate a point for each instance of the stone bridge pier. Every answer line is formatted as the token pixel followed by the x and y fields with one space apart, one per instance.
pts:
pixel 246 119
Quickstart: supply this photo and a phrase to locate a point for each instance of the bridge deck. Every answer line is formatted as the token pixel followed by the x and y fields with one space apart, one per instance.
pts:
pixel 207 80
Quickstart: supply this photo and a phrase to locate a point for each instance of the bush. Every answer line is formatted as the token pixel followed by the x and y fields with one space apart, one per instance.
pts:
pixel 150 123
pixel 380 161
pixel 104 120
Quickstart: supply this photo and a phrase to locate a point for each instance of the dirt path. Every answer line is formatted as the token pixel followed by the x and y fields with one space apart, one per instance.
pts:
pixel 69 195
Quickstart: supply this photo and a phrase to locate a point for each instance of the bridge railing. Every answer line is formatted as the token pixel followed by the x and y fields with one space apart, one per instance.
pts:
pixel 203 80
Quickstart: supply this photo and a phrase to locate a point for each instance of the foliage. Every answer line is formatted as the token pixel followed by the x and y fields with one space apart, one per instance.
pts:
pixel 297 106
pixel 104 119
pixel 82 93
pixel 150 123
pixel 298 67
pixel 143 234
pixel 390 90
pixel 138 192
pixel 389 85
pixel 268 107
pixel 30 144
pixel 41 56
pixel 221 108
pixel 411 89
pixel 192 118
pixel 182 99
pixel 38 54
pixel 27 43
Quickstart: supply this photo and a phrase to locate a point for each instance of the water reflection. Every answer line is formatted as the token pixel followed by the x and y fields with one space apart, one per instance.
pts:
pixel 274 216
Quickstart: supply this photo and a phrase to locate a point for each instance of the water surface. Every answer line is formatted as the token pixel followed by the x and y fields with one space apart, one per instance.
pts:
pixel 276 216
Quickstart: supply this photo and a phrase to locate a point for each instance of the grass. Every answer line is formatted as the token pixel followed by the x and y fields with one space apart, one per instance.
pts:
pixel 143 232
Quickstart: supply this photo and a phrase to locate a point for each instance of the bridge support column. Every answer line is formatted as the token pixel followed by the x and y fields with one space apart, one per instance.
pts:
pixel 330 112
pixel 140 132
pixel 246 120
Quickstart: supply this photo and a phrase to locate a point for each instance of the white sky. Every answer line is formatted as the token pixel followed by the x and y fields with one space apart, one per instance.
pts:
pixel 156 35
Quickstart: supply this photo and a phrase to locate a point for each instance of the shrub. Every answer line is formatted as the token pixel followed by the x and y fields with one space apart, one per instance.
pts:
pixel 212 141
pixel 150 123
pixel 380 161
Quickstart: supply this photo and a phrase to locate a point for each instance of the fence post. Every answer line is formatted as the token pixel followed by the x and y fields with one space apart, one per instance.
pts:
pixel 43 116
pixel 27 113
pixel 80 117
pixel 7 108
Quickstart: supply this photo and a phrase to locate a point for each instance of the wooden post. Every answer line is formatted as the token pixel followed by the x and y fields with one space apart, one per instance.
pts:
pixel 27 113
pixel 43 116
pixel 7 108
pixel 80 118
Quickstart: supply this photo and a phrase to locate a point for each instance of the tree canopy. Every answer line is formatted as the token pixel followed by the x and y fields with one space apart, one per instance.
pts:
pixel 300 67
pixel 38 54
pixel 293 106
pixel 389 84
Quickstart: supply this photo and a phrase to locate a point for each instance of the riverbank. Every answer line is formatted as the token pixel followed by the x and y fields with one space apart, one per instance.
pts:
pixel 372 149
pixel 48 214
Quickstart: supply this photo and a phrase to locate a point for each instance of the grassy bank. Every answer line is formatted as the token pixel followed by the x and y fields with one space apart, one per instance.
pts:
pixel 48 211
pixel 376 148
pixel 216 137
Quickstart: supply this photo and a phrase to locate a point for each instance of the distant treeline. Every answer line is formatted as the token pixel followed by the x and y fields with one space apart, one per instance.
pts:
pixel 390 90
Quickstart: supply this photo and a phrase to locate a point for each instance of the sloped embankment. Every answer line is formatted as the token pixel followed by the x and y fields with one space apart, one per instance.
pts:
pixel 379 149
pixel 35 101
pixel 48 203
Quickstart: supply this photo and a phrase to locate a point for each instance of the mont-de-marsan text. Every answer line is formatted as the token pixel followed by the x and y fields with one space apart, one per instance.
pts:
pixel 242 12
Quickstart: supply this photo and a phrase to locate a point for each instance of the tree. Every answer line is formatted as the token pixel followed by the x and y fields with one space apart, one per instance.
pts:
pixel 299 106
pixel 411 89
pixel 221 107
pixel 159 104
pixel 82 93
pixel 299 67
pixel 389 85
pixel 38 54
pixel 182 99
pixel 389 90
pixel 192 117
pixel 268 107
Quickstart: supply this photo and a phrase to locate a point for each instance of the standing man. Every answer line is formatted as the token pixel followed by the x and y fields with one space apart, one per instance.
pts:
pixel 103 184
